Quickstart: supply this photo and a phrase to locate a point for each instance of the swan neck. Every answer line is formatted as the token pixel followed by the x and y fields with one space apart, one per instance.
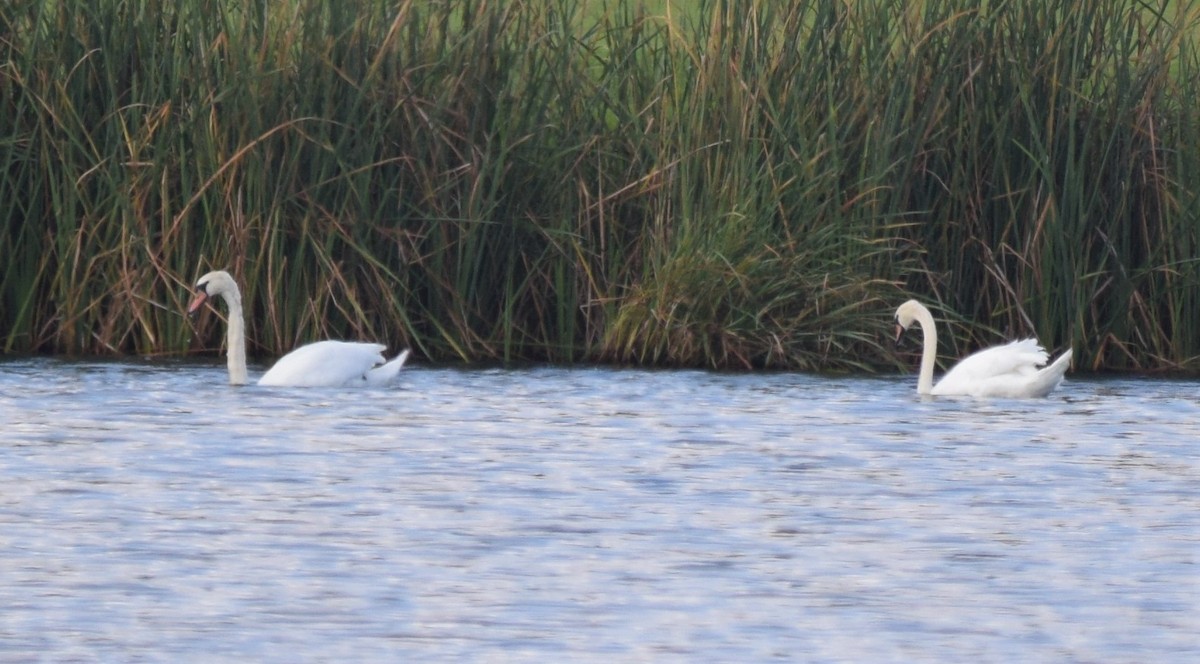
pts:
pixel 928 352
pixel 236 340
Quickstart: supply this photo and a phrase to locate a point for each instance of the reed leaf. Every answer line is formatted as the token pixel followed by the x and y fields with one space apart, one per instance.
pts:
pixel 725 183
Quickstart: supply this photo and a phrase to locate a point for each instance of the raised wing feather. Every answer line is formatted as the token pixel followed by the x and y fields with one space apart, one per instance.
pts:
pixel 1010 370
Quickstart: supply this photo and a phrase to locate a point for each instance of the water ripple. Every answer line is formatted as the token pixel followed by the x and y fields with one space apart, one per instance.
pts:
pixel 152 512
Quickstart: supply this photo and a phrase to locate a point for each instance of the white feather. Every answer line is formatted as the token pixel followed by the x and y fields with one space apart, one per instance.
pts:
pixel 333 364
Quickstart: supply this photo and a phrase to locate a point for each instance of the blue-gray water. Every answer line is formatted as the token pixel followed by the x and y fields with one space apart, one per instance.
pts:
pixel 154 513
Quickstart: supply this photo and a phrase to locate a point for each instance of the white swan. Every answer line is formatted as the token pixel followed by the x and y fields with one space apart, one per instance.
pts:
pixel 1011 370
pixel 319 364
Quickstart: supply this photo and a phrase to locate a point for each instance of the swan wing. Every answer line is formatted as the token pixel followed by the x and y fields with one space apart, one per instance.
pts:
pixel 1026 384
pixel 1012 370
pixel 325 364
pixel 992 366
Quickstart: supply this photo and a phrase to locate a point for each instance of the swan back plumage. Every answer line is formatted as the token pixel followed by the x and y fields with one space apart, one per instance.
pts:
pixel 325 364
pixel 1009 371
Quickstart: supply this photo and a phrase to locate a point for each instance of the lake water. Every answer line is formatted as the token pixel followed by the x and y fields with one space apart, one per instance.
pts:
pixel 151 512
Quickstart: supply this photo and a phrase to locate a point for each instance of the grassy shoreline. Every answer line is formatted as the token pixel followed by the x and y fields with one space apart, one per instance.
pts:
pixel 747 185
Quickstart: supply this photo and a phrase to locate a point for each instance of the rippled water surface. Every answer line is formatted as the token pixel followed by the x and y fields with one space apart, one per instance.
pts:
pixel 154 513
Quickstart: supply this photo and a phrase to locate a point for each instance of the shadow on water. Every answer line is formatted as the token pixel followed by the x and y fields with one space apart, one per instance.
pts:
pixel 152 511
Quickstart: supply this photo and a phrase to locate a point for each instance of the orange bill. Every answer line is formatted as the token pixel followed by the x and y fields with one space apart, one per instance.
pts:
pixel 201 296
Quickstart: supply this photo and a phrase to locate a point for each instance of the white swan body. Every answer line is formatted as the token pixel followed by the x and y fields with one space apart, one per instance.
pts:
pixel 334 363
pixel 319 364
pixel 1013 370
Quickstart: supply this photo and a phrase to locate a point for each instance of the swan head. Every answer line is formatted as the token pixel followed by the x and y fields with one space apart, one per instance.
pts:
pixel 217 282
pixel 907 314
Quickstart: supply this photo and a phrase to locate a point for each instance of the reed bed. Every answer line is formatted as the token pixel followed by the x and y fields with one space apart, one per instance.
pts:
pixel 736 184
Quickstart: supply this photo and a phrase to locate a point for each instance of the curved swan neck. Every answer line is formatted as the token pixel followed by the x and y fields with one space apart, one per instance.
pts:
pixel 236 339
pixel 928 352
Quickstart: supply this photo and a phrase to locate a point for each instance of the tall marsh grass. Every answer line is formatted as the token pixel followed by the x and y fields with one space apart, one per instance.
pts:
pixel 734 184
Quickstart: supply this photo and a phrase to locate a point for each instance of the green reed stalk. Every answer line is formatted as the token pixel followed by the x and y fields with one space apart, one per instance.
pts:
pixel 734 183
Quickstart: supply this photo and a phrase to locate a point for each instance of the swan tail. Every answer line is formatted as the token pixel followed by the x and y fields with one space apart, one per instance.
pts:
pixel 1051 377
pixel 384 373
